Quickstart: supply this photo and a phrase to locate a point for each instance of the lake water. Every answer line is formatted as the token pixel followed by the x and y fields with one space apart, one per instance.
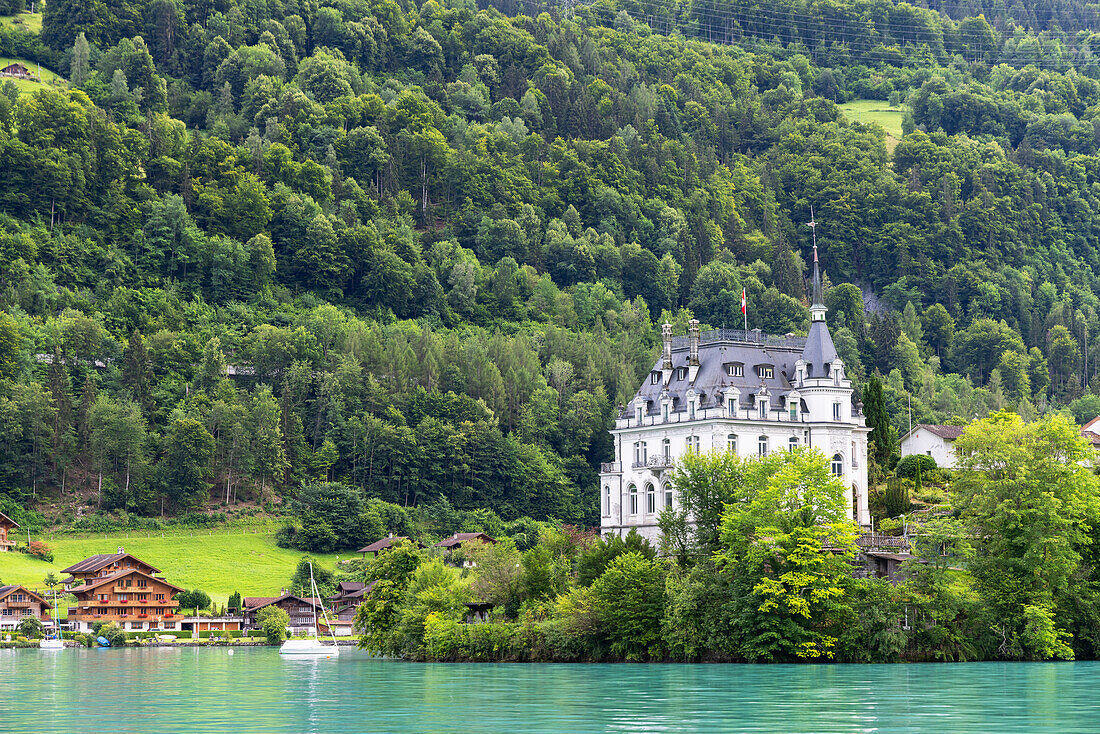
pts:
pixel 254 690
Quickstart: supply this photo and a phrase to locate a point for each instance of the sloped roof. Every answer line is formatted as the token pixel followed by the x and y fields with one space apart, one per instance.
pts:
pixel 102 560
pixel 381 545
pixel 947 433
pixel 4 519
pixel 96 583
pixel 252 603
pixel 460 538
pixel 11 588
pixel 820 350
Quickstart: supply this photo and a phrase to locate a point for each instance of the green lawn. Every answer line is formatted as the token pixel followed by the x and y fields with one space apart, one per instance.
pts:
pixel 23 21
pixel 244 560
pixel 49 78
pixel 877 111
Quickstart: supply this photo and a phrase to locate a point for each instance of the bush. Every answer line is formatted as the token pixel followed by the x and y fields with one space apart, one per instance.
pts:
pixel 910 466
pixel 897 497
pixel 31 627
pixel 112 632
pixel 273 621
pixel 39 549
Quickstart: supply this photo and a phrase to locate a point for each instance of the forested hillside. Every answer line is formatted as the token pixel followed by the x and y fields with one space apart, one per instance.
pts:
pixel 423 248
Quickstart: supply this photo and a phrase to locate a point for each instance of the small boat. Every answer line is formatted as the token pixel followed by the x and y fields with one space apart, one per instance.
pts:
pixel 314 647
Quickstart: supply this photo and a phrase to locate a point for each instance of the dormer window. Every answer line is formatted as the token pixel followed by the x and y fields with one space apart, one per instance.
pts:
pixel 681 373
pixel 654 378
pixel 735 369
pixel 764 409
pixel 691 410
pixel 731 406
pixel 765 371
pixel 638 414
pixel 664 412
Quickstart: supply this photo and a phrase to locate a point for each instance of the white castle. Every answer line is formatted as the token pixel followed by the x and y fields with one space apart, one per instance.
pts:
pixel 734 390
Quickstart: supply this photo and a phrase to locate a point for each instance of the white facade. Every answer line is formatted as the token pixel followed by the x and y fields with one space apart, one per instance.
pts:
pixel 733 390
pixel 932 441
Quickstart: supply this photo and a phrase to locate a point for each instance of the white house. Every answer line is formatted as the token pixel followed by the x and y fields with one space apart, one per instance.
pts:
pixel 734 390
pixel 935 441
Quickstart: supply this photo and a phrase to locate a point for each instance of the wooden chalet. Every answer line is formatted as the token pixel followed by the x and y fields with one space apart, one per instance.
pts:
pixel 344 603
pixel 18 602
pixel 17 71
pixel 300 609
pixel 385 544
pixel 459 539
pixel 117 587
pixel 6 526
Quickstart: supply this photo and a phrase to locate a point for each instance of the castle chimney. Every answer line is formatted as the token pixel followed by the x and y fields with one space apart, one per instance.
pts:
pixel 693 349
pixel 666 363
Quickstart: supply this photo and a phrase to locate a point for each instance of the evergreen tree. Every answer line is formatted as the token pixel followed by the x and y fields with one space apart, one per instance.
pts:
pixel 80 66
pixel 137 372
pixel 883 434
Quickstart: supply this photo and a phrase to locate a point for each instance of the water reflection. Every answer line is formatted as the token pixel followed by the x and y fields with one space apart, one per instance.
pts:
pixel 255 690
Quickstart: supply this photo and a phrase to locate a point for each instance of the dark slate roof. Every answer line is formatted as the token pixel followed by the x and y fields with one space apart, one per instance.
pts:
pixel 819 351
pixel 96 562
pixel 712 377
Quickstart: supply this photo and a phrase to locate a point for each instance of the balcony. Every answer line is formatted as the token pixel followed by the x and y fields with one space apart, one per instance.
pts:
pixel 653 462
pixel 611 467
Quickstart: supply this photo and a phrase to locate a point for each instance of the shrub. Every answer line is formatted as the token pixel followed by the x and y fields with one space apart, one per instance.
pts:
pixel 910 466
pixel 897 497
pixel 113 633
pixel 629 600
pixel 31 627
pixel 39 549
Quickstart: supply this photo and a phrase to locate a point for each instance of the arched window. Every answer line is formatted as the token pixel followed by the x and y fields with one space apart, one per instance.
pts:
pixel 633 500
pixel 666 450
pixel 731 443
pixel 838 465
pixel 668 495
pixel 650 499
pixel 607 500
pixel 762 445
pixel 792 443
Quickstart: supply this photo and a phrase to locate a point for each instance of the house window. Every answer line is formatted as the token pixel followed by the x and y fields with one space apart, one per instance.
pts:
pixel 5 612
pixel 765 372
pixel 792 443
pixel 762 445
pixel 638 414
pixel 668 495
pixel 731 443
pixel 122 597
pixel 666 450
pixel 142 583
pixel 639 453
pixel 691 444
pixel 838 465
pixel 664 412
pixel 763 404
pixel 691 410
pixel 650 499
pixel 836 375
pixel 735 370
pixel 607 500
pixel 681 373
pixel 159 597
pixel 654 378
pixel 794 411
pixel 836 411
pixel 633 500
pixel 731 407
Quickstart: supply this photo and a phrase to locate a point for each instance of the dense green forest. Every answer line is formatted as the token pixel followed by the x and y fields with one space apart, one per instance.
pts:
pixel 422 248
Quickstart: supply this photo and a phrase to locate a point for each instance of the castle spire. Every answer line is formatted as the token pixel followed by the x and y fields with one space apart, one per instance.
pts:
pixel 817 307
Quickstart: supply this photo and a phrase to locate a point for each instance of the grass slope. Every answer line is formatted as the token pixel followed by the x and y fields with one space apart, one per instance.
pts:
pixel 30 22
pixel 219 562
pixel 49 78
pixel 876 111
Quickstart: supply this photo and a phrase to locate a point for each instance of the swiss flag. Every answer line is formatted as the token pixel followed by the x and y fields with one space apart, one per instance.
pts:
pixel 743 302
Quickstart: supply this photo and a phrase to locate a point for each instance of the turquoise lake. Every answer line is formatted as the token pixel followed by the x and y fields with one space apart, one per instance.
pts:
pixel 207 690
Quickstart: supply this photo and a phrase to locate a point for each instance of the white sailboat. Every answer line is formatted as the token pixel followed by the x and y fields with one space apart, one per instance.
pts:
pixel 313 647
pixel 55 642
